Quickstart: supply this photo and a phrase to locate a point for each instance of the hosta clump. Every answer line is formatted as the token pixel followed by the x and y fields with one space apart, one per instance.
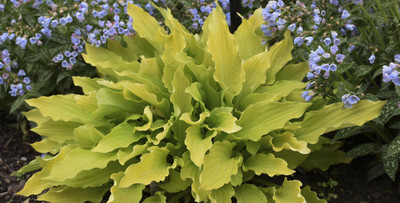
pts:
pixel 177 115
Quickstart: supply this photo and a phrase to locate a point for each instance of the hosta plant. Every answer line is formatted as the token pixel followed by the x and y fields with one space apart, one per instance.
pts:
pixel 175 116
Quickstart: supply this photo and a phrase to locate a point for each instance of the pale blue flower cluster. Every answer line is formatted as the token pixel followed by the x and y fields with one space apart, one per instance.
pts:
pixel 18 84
pixel 390 73
pixel 272 18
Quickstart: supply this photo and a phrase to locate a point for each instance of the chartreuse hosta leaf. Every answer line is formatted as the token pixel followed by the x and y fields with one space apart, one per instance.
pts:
pixel 219 166
pixel 290 191
pixel 249 193
pixel 178 116
pixel 132 193
pixel 333 117
pixel 224 50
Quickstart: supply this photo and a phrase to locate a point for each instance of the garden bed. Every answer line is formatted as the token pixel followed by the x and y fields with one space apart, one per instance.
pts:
pixel 351 178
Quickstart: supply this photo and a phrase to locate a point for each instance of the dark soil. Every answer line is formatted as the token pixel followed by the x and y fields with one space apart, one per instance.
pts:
pixel 352 186
pixel 14 153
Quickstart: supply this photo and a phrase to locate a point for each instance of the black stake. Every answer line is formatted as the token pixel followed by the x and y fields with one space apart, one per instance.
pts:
pixel 235 8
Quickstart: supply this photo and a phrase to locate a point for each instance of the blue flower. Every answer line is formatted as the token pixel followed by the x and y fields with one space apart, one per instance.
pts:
pixel 298 41
pixel 397 58
pixel 299 30
pixel 309 40
pixel 54 23
pixel 292 26
pixel 13 93
pixel 345 14
pixel 349 100
pixel 327 41
pixel 332 67
pixel 336 41
pixel 317 19
pixel 350 27
pixel 72 60
pixel 334 49
pixel 326 55
pixel 339 58
pixel 64 64
pixel 1 81
pixel 307 95
pixel 33 40
pixel 67 53
pixel 21 73
pixel 334 34
pixel 26 80
pixel 371 59
pixel 351 48
pixel 38 35
pixel 320 50
pixel 63 21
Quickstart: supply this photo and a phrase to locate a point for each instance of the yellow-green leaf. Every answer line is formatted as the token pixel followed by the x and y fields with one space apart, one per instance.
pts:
pixel 76 161
pixel 335 116
pixel 157 198
pixel 198 143
pixel 223 194
pixel 282 88
pixel 280 54
pixel 60 108
pixel 153 166
pixel 92 178
pixel 267 164
pixel 287 140
pixel 58 131
pixel 120 136
pixel 248 193
pixel 144 24
pixel 179 98
pixel 289 192
pixel 46 146
pixel 174 183
pixel 293 71
pixel 219 166
pixel 131 194
pixel 64 194
pixel 311 196
pixel 128 153
pixel 221 119
pixel 248 42
pixel 87 136
pixel 270 116
pixel 222 46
